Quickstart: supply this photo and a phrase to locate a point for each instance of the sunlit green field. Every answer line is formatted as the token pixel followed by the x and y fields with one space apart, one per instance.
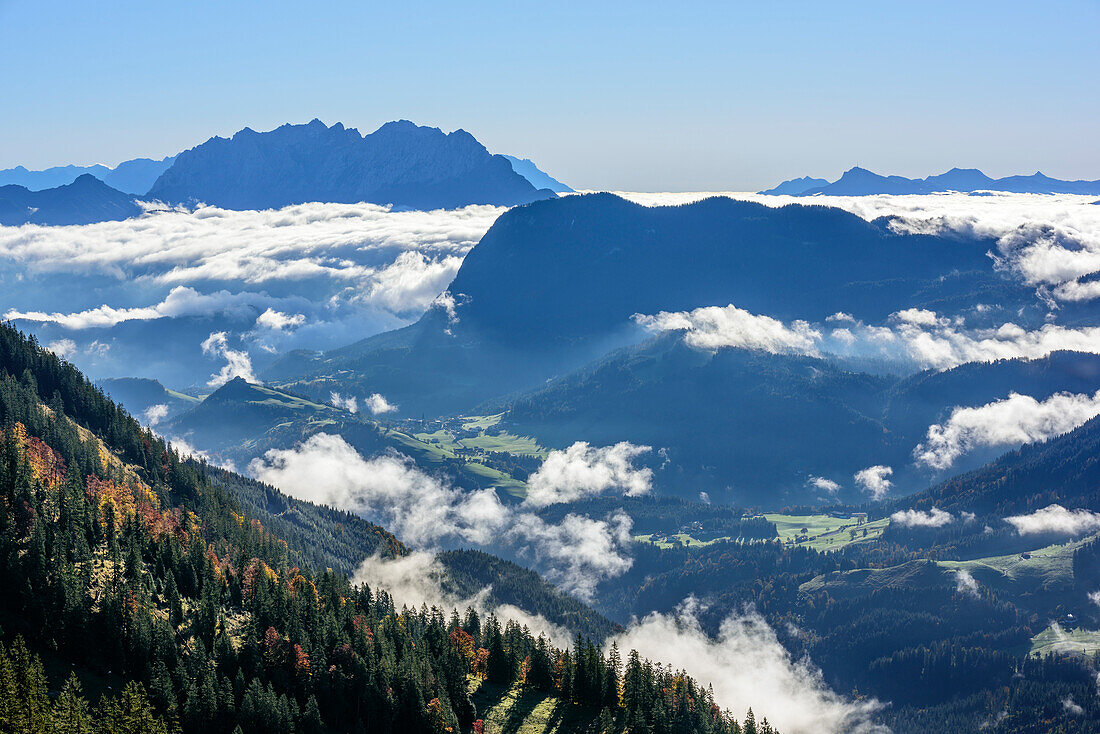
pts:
pixel 422 447
pixel 503 442
pixel 824 532
pixel 1055 639
pixel 1054 563
pixel 684 538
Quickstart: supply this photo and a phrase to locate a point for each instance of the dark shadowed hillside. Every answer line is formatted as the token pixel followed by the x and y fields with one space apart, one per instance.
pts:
pixel 752 427
pixel 555 284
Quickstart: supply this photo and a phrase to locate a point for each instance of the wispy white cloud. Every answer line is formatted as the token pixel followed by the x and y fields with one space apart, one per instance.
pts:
pixel 875 480
pixel 825 485
pixel 278 320
pixel 426 512
pixel 713 327
pixel 417 578
pixel 378 405
pixel 348 403
pixel 63 348
pixel 412 282
pixel 584 471
pixel 965 583
pixel 934 518
pixel 154 414
pixel 914 337
pixel 1014 421
pixel 1056 519
pixel 237 362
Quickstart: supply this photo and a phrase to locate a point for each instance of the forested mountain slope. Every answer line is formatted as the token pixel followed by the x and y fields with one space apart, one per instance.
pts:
pixel 752 427
pixel 137 570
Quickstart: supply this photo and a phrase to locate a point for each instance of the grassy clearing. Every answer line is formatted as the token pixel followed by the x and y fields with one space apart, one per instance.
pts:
pixel 503 442
pixel 684 538
pixel 183 396
pixel 286 400
pixel 436 452
pixel 515 711
pixel 508 443
pixel 861 581
pixel 441 438
pixel 1056 639
pixel 1045 566
pixel 480 422
pixel 824 532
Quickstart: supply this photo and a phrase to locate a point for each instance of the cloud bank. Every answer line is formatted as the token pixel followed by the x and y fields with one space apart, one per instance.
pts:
pixel 1014 421
pixel 916 337
pixel 424 511
pixel 416 579
pixel 748 666
pixel 300 277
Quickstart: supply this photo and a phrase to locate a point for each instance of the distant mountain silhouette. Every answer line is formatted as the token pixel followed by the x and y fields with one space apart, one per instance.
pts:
pixel 861 182
pixel 401 163
pixel 538 178
pixel 85 201
pixel 796 186
pixel 553 285
pixel 130 177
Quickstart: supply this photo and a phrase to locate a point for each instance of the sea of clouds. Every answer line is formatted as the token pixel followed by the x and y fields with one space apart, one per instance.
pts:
pixel 318 276
pixel 311 275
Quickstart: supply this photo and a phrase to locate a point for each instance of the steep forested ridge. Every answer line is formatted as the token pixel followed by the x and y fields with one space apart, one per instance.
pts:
pixel 126 566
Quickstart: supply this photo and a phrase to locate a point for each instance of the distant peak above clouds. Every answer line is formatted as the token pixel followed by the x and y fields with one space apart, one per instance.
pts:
pixel 410 166
pixel 84 201
pixel 130 177
pixel 861 182
pixel 401 163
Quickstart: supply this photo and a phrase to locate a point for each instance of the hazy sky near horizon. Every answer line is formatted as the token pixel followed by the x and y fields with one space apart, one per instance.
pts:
pixel 637 95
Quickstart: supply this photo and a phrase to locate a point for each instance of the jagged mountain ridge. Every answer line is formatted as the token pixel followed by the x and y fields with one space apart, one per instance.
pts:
pixel 401 163
pixel 861 182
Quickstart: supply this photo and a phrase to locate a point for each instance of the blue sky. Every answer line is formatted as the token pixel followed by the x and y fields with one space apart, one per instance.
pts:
pixel 624 95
